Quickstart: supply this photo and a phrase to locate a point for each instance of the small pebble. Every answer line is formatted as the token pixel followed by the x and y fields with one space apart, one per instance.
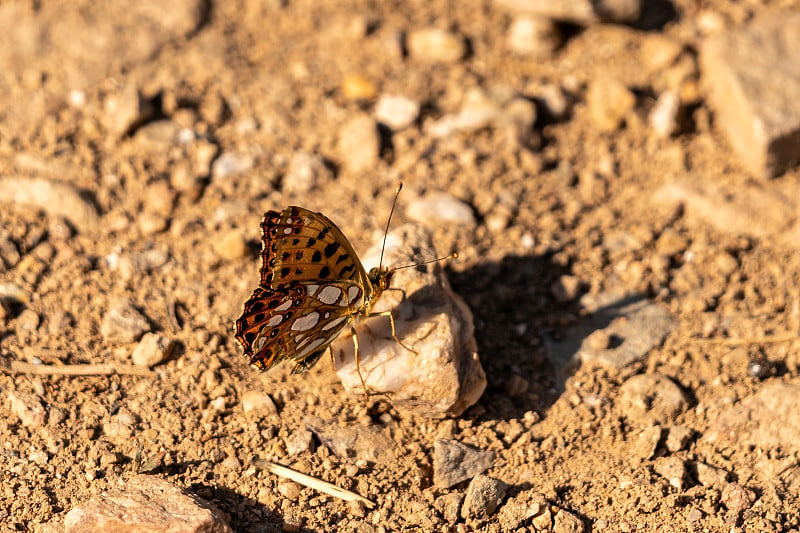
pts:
pixel 232 164
pixel 663 116
pixel 395 111
pixel 653 397
pixel 258 403
pixel 678 438
pixel 609 101
pixel 28 407
pixel 673 470
pixel 153 349
pixel 183 180
pixel 554 100
pixel 28 320
pixel 483 496
pixel 439 207
pixel 435 45
pixel 232 245
pixel 299 441
pixel 359 144
pixel 151 223
pixel 231 464
pixel 711 476
pixel 304 173
pixel 566 522
pixel 694 515
pixel 658 51
pixel 449 505
pixel 566 289
pixel 159 198
pixel 671 243
pixel 123 323
pixel 358 87
pixel 59 229
pixel 534 37
pixel 454 462
pixel 289 489
pixel 737 498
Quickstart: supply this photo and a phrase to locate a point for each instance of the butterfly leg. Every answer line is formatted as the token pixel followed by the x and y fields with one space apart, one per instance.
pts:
pixel 358 364
pixel 394 330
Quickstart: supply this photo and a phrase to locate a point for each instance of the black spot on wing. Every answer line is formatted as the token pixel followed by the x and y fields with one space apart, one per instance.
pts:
pixel 331 249
pixel 324 272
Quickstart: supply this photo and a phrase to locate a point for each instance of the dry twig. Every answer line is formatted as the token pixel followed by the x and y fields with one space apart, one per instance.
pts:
pixel 314 483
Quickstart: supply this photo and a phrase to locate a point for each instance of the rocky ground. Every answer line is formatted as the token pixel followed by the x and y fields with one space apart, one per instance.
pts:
pixel 619 180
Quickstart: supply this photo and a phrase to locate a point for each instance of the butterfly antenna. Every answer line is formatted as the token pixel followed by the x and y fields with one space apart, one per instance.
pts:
pixel 386 232
pixel 451 255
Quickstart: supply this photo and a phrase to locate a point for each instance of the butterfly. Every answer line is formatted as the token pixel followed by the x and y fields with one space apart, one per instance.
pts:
pixel 312 287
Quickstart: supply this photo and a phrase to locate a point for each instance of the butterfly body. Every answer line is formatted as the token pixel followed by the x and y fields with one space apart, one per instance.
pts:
pixel 312 287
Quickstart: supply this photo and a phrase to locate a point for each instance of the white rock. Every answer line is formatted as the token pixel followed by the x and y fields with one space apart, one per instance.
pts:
pixel 359 144
pixel 439 207
pixel 304 173
pixel 533 37
pixel 231 164
pixel 56 198
pixel 609 101
pixel 444 377
pixel 397 112
pixel 663 115
pixel 258 403
pixel 435 45
pixel 146 503
pixel 123 323
pixel 154 348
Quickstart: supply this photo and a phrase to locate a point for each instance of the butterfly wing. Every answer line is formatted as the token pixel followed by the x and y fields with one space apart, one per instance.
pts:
pixel 297 321
pixel 303 245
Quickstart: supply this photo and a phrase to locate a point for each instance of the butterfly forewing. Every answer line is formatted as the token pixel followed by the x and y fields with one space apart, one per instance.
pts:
pixel 303 245
pixel 297 321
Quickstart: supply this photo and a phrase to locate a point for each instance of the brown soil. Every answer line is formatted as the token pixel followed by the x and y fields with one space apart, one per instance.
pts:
pixel 264 79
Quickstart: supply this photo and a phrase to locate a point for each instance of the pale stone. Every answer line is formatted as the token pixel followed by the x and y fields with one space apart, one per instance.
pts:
pixel 395 111
pixel 258 403
pixel 61 199
pixel 28 407
pixel 443 375
pixel 232 245
pixel 146 503
pixel 533 37
pixel 753 80
pixel 154 348
pixel 435 45
pixel 609 101
pixel 359 144
pixel 123 323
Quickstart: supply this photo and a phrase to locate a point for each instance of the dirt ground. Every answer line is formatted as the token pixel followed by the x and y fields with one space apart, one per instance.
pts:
pixel 178 125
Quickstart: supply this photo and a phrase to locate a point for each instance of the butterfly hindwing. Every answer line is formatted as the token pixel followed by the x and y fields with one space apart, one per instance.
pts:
pixel 296 322
pixel 302 244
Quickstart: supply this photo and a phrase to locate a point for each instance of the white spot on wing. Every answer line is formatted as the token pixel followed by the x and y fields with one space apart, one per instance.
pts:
pixel 311 347
pixel 312 289
pixel 287 231
pixel 274 321
pixel 353 293
pixel 284 306
pixel 333 323
pixel 306 322
pixel 329 294
pixel 260 342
